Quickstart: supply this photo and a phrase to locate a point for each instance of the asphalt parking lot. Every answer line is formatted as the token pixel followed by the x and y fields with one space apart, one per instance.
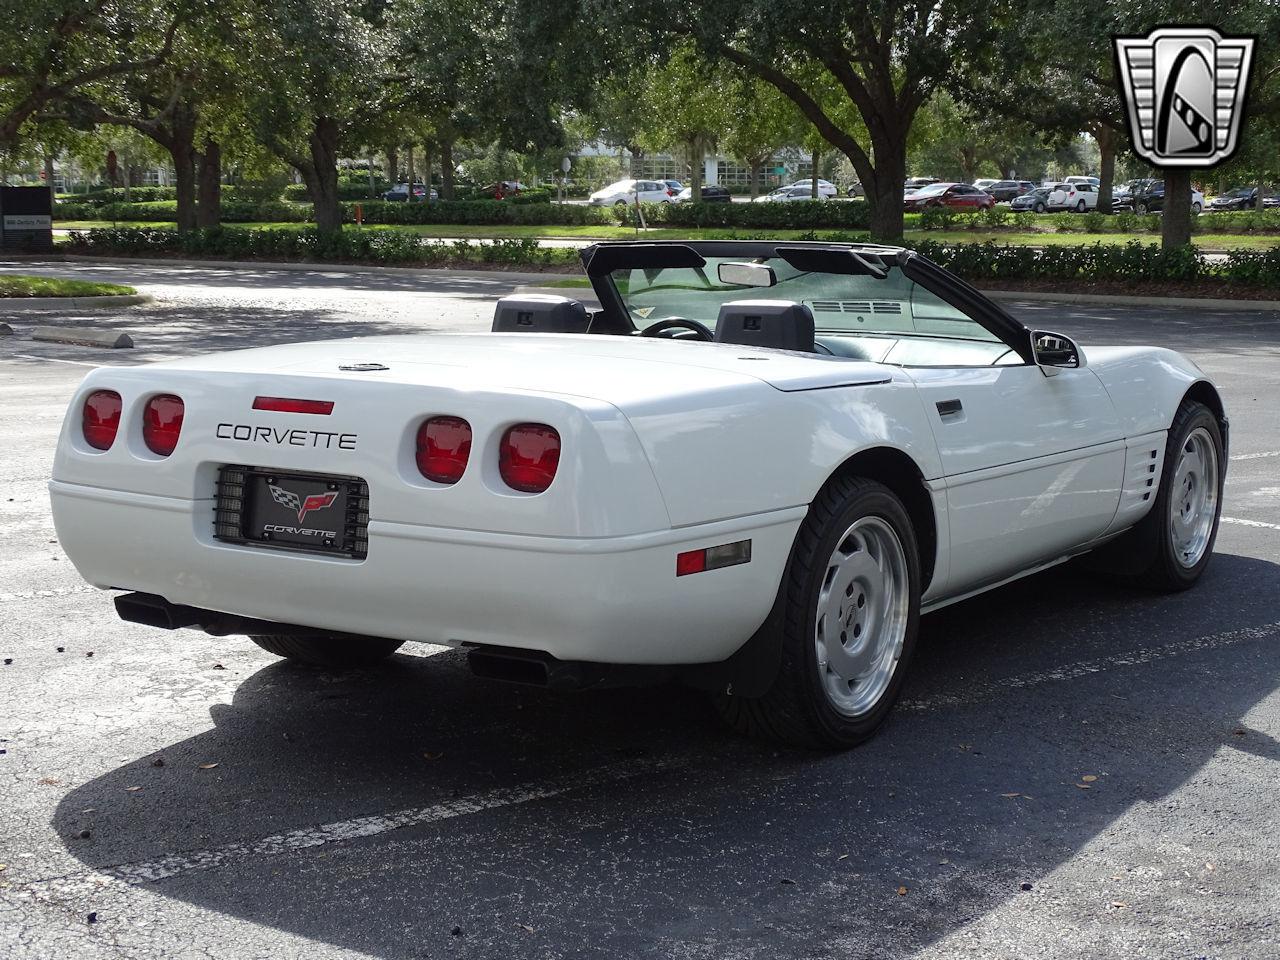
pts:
pixel 1076 770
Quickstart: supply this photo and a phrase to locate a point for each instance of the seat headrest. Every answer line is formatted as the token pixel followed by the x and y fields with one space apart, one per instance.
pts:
pixel 781 324
pixel 539 313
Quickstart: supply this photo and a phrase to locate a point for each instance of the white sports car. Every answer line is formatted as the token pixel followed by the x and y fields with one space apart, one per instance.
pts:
pixel 584 498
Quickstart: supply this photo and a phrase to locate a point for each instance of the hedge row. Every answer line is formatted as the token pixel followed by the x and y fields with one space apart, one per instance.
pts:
pixel 1133 262
pixel 372 246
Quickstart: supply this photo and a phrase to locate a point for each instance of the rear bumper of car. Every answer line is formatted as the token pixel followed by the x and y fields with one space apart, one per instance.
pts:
pixel 607 600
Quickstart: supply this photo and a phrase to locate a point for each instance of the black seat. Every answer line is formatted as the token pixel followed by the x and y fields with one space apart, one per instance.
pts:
pixel 539 313
pixel 780 324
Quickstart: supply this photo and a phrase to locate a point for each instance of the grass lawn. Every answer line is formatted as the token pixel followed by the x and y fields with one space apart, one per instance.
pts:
pixel 1206 241
pixel 23 286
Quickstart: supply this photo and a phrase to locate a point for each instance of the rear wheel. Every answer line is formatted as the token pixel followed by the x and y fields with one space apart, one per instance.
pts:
pixel 1080 207
pixel 322 650
pixel 851 611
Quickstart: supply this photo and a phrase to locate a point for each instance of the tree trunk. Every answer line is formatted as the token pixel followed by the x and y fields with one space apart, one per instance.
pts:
pixel 180 140
pixel 695 169
pixel 1106 138
pixel 813 180
pixel 883 184
pixel 755 178
pixel 393 166
pixel 428 158
pixel 321 175
pixel 446 169
pixel 209 177
pixel 53 190
pixel 1175 222
pixel 373 190
pixel 408 161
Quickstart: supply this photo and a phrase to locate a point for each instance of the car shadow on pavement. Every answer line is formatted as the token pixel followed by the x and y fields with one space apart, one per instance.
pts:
pixel 629 823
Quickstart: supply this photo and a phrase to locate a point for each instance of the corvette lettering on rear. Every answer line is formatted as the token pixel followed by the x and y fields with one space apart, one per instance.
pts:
pixel 322 439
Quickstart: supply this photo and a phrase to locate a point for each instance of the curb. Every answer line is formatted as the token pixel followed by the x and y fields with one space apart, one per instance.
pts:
pixel 85 337
pixel 10 304
pixel 1117 300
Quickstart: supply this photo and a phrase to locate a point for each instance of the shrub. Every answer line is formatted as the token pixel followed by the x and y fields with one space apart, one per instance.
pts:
pixel 376 246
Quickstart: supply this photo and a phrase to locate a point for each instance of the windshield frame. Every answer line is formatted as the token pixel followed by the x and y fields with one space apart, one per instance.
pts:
pixel 601 259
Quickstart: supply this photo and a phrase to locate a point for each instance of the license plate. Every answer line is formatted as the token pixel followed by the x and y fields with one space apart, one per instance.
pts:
pixel 289 510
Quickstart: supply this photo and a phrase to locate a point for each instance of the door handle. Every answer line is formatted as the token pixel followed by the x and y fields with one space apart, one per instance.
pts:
pixel 949 408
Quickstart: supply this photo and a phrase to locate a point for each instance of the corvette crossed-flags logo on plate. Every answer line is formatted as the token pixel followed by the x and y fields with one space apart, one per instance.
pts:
pixel 316 501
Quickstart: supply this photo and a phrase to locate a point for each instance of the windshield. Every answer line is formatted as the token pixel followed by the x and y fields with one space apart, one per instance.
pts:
pixel 841 303
pixel 932 190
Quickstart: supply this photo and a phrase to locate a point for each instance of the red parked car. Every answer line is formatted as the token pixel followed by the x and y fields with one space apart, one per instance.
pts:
pixel 958 196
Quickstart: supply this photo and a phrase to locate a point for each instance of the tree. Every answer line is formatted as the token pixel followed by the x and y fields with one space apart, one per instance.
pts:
pixel 49 50
pixel 319 85
pixel 761 122
pixel 884 57
pixel 688 112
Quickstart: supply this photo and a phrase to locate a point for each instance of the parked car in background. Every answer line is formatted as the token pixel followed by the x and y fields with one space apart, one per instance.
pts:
pixel 1006 190
pixel 957 196
pixel 915 183
pixel 501 189
pixel 675 186
pixel 1090 180
pixel 624 192
pixel 855 189
pixel 400 193
pixel 1270 203
pixel 1076 197
pixel 1147 196
pixel 826 189
pixel 1240 199
pixel 788 195
pixel 1035 200
pixel 712 193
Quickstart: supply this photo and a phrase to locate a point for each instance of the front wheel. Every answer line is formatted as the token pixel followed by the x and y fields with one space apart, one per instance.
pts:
pixel 851 600
pixel 1195 209
pixel 322 650
pixel 1140 208
pixel 1039 208
pixel 1171 546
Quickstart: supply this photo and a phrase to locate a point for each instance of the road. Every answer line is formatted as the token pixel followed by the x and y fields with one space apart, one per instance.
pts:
pixel 1076 770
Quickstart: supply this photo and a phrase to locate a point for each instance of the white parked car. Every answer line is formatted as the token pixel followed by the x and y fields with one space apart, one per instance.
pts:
pixel 624 192
pixel 788 195
pixel 826 189
pixel 580 499
pixel 1075 197
pixel 1094 181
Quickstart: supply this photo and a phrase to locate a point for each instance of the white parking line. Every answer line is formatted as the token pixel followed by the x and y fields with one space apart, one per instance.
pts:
pixel 1251 523
pixel 1256 456
pixel 994 689
pixel 162 868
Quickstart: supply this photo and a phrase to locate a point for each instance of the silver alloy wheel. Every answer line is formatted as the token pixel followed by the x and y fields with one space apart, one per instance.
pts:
pixel 1193 497
pixel 861 620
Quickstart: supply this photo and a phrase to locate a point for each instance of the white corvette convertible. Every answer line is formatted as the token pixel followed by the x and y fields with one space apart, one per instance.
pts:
pixel 752 469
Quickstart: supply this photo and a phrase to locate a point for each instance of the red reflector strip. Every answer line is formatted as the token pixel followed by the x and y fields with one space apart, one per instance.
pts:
pixel 291 405
pixel 713 558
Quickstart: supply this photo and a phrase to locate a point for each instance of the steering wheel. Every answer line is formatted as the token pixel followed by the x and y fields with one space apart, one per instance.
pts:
pixel 678 323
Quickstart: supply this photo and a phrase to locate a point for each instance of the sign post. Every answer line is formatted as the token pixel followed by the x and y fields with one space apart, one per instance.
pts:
pixel 565 166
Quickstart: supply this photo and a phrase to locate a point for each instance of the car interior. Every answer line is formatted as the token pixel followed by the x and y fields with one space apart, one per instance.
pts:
pixel 869 304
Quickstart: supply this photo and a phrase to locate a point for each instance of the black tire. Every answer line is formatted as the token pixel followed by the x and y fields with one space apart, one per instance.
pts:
pixel 322 650
pixel 1140 208
pixel 1145 556
pixel 1039 207
pixel 1080 207
pixel 796 710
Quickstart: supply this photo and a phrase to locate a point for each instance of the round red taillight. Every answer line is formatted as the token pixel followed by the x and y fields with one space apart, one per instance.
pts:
pixel 100 421
pixel 444 446
pixel 529 456
pixel 162 423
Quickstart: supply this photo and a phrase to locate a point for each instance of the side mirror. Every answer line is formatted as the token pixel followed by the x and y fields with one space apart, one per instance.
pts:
pixel 1055 352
